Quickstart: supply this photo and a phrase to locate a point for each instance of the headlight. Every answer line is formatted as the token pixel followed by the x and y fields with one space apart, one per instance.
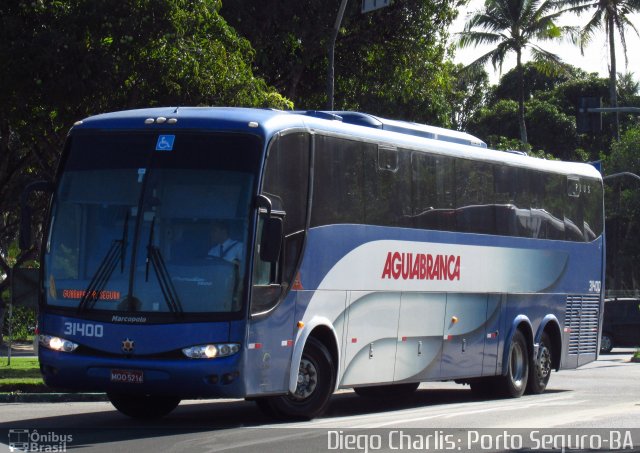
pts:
pixel 211 351
pixel 57 343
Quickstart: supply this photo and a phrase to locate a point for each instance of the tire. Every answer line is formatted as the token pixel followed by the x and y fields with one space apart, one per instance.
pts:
pixel 316 382
pixel 143 406
pixel 514 383
pixel 387 391
pixel 540 367
pixel 606 343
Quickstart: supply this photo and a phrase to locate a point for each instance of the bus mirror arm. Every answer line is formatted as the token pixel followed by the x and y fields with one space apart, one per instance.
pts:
pixel 262 201
pixel 25 210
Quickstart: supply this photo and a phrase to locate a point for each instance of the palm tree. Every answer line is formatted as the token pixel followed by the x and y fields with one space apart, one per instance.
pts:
pixel 513 26
pixel 611 15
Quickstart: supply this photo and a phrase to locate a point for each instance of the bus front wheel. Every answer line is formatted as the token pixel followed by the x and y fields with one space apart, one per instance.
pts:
pixel 316 381
pixel 514 383
pixel 143 406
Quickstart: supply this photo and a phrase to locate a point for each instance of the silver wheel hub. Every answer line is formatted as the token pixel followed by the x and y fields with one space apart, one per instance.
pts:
pixel 517 365
pixel 544 365
pixel 307 380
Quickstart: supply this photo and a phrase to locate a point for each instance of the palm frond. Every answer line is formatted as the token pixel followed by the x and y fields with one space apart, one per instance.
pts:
pixel 579 7
pixel 547 62
pixel 589 30
pixel 477 38
pixel 496 56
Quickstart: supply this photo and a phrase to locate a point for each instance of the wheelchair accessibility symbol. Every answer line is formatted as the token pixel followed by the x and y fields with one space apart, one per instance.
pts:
pixel 165 143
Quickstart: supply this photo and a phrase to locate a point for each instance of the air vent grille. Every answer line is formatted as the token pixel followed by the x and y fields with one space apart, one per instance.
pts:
pixel 582 317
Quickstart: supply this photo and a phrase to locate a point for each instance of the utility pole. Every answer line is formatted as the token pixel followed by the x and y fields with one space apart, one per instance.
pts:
pixel 367 5
pixel 332 49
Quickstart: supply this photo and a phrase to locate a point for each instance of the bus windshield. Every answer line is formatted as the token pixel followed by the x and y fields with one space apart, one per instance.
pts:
pixel 152 223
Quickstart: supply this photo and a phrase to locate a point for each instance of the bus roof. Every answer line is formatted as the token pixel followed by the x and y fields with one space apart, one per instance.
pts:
pixel 268 122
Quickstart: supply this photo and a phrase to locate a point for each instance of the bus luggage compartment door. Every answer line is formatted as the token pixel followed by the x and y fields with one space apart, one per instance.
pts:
pixel 420 331
pixel 464 335
pixel 371 338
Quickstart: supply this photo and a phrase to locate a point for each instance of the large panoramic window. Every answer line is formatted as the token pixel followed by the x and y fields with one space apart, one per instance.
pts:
pixel 139 226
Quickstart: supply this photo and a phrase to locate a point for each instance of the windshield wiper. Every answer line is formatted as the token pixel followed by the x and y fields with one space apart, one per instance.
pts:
pixel 154 257
pixel 105 269
pixel 125 236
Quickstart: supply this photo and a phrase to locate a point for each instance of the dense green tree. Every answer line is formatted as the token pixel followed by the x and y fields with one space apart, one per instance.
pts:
pixel 535 81
pixel 64 60
pixel 515 26
pixel 552 130
pixel 554 100
pixel 468 95
pixel 628 95
pixel 493 123
pixel 390 62
pixel 623 213
pixel 612 16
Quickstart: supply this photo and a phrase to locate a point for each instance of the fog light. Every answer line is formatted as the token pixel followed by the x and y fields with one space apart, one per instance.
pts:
pixel 228 378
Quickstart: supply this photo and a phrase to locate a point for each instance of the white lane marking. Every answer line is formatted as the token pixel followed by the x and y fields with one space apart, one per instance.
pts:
pixel 418 414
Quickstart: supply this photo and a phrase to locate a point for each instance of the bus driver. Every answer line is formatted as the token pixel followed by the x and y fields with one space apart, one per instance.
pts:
pixel 223 246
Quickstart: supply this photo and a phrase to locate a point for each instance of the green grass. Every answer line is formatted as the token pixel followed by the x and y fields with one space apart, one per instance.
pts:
pixel 22 375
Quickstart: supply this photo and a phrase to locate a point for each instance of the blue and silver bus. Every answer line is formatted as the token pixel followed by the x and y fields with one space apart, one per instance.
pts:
pixel 280 256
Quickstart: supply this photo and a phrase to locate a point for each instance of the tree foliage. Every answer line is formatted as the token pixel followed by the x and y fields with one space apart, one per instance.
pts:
pixel 623 213
pixel 64 60
pixel 515 26
pixel 612 16
pixel 468 94
pixel 390 62
pixel 551 107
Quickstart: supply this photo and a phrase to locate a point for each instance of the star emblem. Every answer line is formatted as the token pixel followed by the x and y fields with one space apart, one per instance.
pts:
pixel 128 345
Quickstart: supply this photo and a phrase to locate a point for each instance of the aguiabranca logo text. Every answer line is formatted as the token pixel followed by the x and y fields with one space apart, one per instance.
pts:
pixel 421 266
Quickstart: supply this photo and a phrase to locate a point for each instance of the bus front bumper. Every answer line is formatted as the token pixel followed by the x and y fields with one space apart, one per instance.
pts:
pixel 183 378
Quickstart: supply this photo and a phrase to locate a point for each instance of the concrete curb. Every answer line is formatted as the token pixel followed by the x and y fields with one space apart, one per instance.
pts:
pixel 52 397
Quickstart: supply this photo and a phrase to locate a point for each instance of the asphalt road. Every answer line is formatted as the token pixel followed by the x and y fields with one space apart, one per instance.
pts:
pixel 596 400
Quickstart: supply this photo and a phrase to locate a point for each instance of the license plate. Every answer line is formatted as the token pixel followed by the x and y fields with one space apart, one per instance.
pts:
pixel 127 376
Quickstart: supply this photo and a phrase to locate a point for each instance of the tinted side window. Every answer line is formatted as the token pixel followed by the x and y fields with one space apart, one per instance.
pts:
pixel 553 205
pixel 286 179
pixel 423 184
pixel 593 212
pixel 476 211
pixel 338 195
pixel 286 183
pixel 387 186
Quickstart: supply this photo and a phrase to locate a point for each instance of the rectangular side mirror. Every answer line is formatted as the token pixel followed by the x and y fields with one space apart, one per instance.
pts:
pixel 271 241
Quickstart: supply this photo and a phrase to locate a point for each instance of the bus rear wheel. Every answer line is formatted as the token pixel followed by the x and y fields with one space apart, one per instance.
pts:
pixel 316 381
pixel 540 367
pixel 143 406
pixel 514 383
